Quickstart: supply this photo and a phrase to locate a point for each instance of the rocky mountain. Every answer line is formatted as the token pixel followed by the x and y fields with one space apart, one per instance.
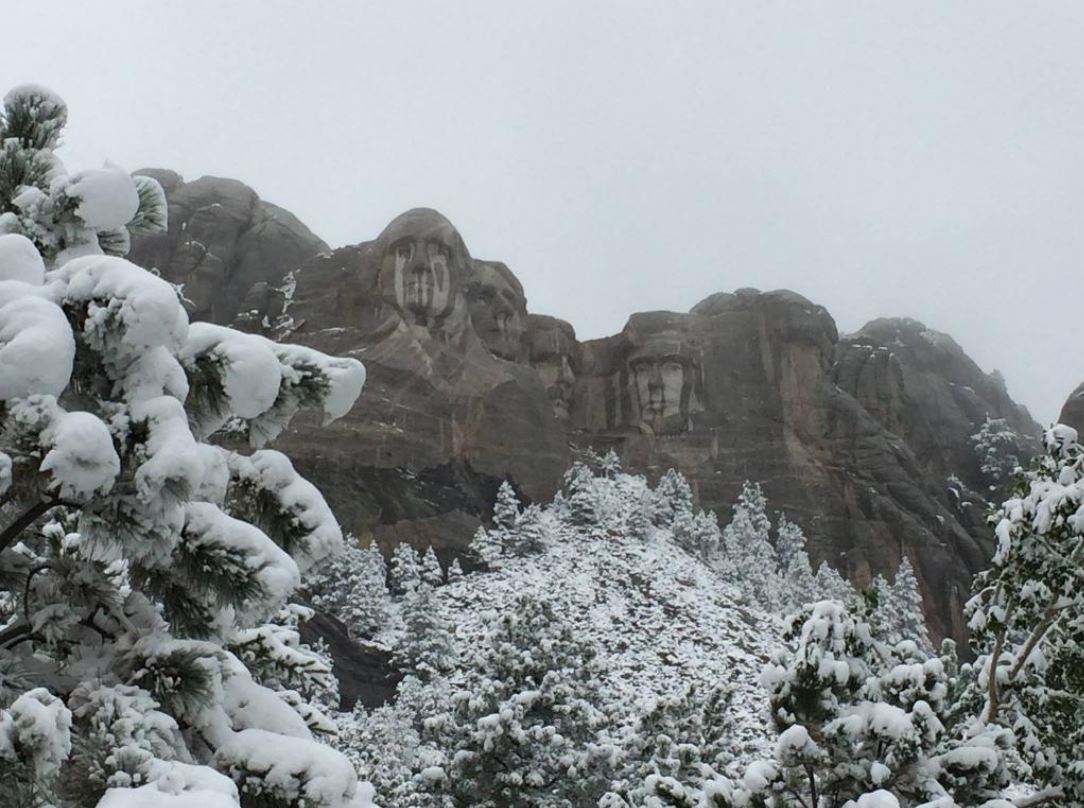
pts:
pixel 854 437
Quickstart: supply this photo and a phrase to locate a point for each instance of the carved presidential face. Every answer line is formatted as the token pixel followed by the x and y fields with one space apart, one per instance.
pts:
pixel 661 375
pixel 553 355
pixel 423 266
pixel 498 309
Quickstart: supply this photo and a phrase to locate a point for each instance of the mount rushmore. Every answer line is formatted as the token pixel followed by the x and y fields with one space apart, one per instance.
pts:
pixel 863 439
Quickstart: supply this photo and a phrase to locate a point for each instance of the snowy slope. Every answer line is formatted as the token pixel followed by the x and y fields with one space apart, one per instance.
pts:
pixel 661 618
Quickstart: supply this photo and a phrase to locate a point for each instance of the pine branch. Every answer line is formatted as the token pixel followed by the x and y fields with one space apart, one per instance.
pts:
pixel 26 519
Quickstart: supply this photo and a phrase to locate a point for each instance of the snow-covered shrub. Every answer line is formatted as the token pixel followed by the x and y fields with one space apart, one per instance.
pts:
pixel 145 571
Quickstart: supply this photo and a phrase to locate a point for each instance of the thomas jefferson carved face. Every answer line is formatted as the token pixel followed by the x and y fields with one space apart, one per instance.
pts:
pixel 423 265
pixel 553 355
pixel 498 309
pixel 660 377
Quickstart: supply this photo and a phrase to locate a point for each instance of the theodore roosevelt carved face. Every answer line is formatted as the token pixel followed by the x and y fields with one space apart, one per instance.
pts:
pixel 553 355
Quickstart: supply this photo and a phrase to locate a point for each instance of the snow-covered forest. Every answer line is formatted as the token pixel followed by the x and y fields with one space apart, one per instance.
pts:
pixel 616 646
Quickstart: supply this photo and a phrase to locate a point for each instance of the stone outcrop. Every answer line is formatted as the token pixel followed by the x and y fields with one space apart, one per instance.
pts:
pixel 1072 414
pixel 854 437
pixel 920 385
pixel 228 247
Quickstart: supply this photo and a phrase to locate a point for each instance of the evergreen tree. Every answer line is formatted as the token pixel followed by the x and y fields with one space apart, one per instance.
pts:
pixel 406 569
pixel 431 573
pixel 862 724
pixel 830 585
pixel 749 559
pixel 528 535
pixel 352 586
pixel 582 495
pixel 797 586
pixel 899 609
pixel 522 727
pixel 144 647
pixel 610 464
pixel 997 446
pixel 506 508
pixel 427 646
pixel 455 571
pixel 486 546
pixel 1027 624
pixel 698 534
pixel 672 496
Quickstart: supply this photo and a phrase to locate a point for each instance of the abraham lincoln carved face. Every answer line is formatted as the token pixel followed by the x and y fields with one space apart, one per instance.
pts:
pixel 660 379
pixel 423 266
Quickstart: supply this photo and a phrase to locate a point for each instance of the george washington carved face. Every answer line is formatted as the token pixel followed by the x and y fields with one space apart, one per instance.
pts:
pixel 423 267
pixel 553 355
pixel 660 381
pixel 498 309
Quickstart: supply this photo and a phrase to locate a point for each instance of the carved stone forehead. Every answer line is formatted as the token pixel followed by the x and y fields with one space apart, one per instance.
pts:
pixel 423 223
pixel 549 332
pixel 663 346
pixel 497 274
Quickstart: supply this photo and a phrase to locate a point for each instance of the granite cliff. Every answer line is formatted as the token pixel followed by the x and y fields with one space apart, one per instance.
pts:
pixel 854 436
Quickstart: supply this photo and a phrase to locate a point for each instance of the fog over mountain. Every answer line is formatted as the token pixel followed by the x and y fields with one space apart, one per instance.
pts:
pixel 919 160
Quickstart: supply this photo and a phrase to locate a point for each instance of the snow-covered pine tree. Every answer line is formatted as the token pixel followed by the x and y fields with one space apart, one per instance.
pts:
pixel 668 757
pixel 486 546
pixel 523 726
pixel 431 571
pixel 426 647
pixel 91 212
pixel 145 659
pixel 697 533
pixel 610 465
pixel 860 723
pixel 997 446
pixel 406 569
pixel 506 508
pixel 352 586
pixel 830 585
pixel 528 537
pixel 582 494
pixel 899 613
pixel 455 571
pixel 748 558
pixel 797 584
pixel 1027 624
pixel 671 496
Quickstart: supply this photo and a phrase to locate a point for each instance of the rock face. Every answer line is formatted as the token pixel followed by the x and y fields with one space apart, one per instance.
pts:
pixel 1072 414
pixel 854 437
pixel 450 407
pixel 226 245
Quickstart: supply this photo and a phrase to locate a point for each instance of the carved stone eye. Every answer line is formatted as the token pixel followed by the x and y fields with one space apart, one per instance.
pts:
pixel 404 250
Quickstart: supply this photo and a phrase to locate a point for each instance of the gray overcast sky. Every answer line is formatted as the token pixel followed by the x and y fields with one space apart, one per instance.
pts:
pixel 921 159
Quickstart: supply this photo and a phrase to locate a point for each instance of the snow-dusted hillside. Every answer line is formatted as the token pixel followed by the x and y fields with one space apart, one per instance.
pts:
pixel 661 618
pixel 637 621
